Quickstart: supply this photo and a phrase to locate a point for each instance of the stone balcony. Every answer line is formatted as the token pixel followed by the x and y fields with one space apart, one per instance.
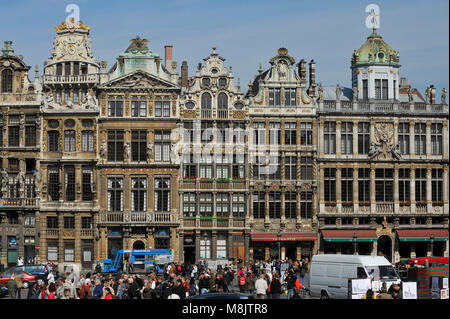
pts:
pixel 69 79
pixel 381 107
pixel 378 208
pixel 19 202
pixel 214 223
pixel 138 218
pixel 18 97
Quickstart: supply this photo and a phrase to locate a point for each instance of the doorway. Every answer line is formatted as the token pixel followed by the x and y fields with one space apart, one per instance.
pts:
pixel 189 255
pixel 385 247
pixel 138 244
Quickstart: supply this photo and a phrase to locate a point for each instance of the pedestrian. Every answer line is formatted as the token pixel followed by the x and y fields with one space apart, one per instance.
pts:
pixel 98 290
pixel 290 283
pixel 261 287
pixel 18 279
pixel 275 287
pixel 20 262
pixel 383 292
pixel 50 277
pixel 370 294
pixel 250 283
pixel 108 295
pixel 241 278
pixel 203 283
pixel 12 288
pixel 395 291
pixel 220 283
pixel 51 290
pixel 98 269
pixel 34 291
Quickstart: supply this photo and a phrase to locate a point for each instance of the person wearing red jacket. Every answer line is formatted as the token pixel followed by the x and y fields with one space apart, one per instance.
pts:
pixel 241 277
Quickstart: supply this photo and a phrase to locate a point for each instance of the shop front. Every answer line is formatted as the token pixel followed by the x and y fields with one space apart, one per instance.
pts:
pixel 348 242
pixel 415 243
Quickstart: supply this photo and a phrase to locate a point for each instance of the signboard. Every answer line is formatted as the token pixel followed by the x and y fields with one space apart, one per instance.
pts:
pixel 12 243
pixel 360 286
pixel 376 285
pixel 409 290
pixel 444 293
pixel 444 283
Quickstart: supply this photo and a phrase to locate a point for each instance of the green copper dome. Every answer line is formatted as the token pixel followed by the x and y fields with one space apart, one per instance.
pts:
pixel 375 51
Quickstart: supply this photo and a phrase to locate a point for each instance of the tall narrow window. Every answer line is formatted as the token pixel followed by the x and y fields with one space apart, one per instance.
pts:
pixel 259 133
pixel 115 106
pixel 421 185
pixel 365 91
pixel 139 106
pixel 139 145
pixel 259 168
pixel 239 204
pixel 115 145
pixel 347 185
pixel 69 141
pixel 437 190
pixel 290 205
pixel 206 204
pixel 330 137
pixel 238 166
pixel 404 188
pixel 69 183
pixel 363 137
pixel 139 194
pixel 271 97
pixel 189 204
pixel 13 130
pixel 364 186
pixel 306 205
pixel 290 170
pixel 259 205
pixel 206 167
pixel 290 134
pixel 347 137
pixel 274 167
pixel 290 97
pixel 53 183
pixel 162 146
pixel 222 167
pixel 274 205
pixel 306 133
pixel 7 76
pixel 30 130
pixel 378 89
pixel 162 194
pixel 87 179
pixel 222 101
pixel 330 185
pixel 222 205
pixel 403 138
pixel 420 139
pixel 385 91
pixel 206 101
pixel 53 141
pixel 115 194
pixel 87 141
pixel 306 168
pixel 384 185
pixel 188 132
pixel 278 97
pixel 274 133
pixel 436 139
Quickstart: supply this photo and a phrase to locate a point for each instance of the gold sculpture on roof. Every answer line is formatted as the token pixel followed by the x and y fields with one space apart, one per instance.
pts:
pixel 72 25
pixel 138 43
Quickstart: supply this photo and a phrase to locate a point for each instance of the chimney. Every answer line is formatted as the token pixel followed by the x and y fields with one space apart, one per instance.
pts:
pixel 302 70
pixel 433 95
pixel 184 74
pixel 168 57
pixel 312 78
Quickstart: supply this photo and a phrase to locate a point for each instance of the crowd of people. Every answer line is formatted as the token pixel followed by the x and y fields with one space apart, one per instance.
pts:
pixel 274 279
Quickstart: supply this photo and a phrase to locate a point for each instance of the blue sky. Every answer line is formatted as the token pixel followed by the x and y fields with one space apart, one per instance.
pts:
pixel 246 32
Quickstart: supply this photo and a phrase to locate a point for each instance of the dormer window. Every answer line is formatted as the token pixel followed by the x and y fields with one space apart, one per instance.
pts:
pixel 189 105
pixel 222 82
pixel 7 81
pixel 214 71
pixel 239 106
pixel 381 89
pixel 206 82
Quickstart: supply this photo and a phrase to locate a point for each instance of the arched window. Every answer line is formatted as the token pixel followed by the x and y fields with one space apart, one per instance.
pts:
pixel 206 101
pixel 7 81
pixel 222 101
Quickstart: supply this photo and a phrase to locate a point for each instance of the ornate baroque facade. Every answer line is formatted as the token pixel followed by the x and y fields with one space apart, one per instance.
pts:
pixel 140 156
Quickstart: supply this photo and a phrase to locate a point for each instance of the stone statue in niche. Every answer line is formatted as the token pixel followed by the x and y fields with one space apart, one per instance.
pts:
pixel 320 92
pixel 37 182
pixel 355 93
pixel 126 151
pixel 149 151
pixel 103 151
pixel 338 92
pixel 410 95
pixel 4 180
pixel 282 70
pixel 443 96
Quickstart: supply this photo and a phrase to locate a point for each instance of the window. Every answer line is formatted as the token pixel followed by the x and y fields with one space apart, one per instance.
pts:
pixel 206 82
pixel 29 219
pixel 330 137
pixel 384 90
pixel 139 106
pixel 206 170
pixel 421 185
pixel 381 89
pixel 364 186
pixel 363 137
pixel 13 130
pixel 404 189
pixel 347 184
pixel 87 141
pixel 306 205
pixel 70 183
pixel 52 222
pixel 162 146
pixel 275 133
pixel 59 69
pixel 330 184
pixel 139 194
pixel 222 101
pixel 223 82
pixel 188 132
pixel 239 133
pixel 115 194
pixel 52 251
pixel 437 181
pixel 58 96
pixel 69 141
pixel 87 179
pixel 259 133
pixel 436 139
pixel 53 183
pixel 189 204
pixel 222 205
pixel 206 205
pixel 403 138
pixel 14 186
pixel 275 97
pixel 69 222
pixel 221 246
pixel 420 139
pixel 347 138
pixel 290 97
pixel 259 168
pixel 66 96
pixel 139 145
pixel 1 133
pixel 222 132
pixel 87 223
pixel 30 130
pixel 365 90
pixel 76 68
pixel 306 168
pixel 290 205
pixel 53 141
pixel 189 167
pixel 29 186
pixel 115 106
pixel 384 185
pixel 162 106
pixel 306 133
pixel 275 205
pixel 290 134
pixel 69 251
pixel 238 166
pixel 67 68
pixel 162 194
pixel 222 171
pixel 290 170
pixel 205 246
pixel 259 205
pixel 274 167
pixel 115 145
pixel 206 101
pixel 239 205
pixel 13 164
pixel 7 77
pixel 206 131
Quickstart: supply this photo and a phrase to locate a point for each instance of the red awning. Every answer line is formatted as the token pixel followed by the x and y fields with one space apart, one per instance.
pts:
pixel 347 235
pixel 284 237
pixel 422 234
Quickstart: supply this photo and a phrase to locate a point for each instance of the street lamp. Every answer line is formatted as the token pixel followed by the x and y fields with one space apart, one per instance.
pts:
pixel 279 243
pixel 431 244
pixel 354 243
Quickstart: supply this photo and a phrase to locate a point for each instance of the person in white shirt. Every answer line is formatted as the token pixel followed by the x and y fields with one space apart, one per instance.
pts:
pixel 50 278
pixel 20 262
pixel 261 287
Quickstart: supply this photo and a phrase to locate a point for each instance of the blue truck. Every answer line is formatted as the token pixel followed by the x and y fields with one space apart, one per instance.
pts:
pixel 151 258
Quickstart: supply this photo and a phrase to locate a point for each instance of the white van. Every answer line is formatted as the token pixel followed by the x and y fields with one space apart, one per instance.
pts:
pixel 330 273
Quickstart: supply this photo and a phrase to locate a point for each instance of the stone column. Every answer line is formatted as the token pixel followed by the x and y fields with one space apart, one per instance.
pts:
pixel 21 240
pixel 77 241
pixel 445 140
pixel 338 139
pixel 428 139
pixel 412 147
pixel 321 189
pixel 246 247
pixel 355 190
pixel 181 245
pixel 373 205
pixel 355 138
pixel 60 239
pixel 396 187
pixel 214 245
pixel 230 245
pixel 197 244
pixel 338 190
pixel 320 139
pixel 429 197
pixel 445 189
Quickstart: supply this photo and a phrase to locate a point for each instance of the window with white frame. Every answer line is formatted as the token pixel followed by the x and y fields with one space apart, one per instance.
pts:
pixel 139 106
pixel 347 137
pixel 189 204
pixel 222 204
pixel 139 194
pixel 115 194
pixel 162 194
pixel 238 205
pixel 162 146
pixel 206 204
